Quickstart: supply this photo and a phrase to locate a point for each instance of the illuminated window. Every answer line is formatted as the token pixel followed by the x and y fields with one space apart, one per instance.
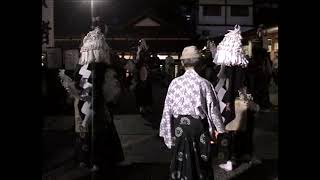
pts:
pixel 276 46
pixel 126 56
pixel 163 57
pixel 176 70
pixel 43 59
pixel 269 45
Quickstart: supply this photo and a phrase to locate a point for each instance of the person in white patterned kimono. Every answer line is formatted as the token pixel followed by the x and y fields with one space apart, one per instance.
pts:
pixel 191 119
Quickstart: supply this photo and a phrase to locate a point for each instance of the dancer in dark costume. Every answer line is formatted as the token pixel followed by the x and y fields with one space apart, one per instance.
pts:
pixel 191 119
pixel 232 81
pixel 93 87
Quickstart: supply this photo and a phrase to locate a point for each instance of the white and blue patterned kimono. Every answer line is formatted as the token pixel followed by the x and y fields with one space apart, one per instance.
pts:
pixel 192 95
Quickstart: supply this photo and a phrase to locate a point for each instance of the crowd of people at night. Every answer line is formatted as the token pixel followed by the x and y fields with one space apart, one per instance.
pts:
pixel 209 109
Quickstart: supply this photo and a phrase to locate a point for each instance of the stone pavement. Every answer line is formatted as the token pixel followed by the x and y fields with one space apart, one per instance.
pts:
pixel 265 140
pixel 57 141
pixel 137 140
pixel 59 145
pixel 141 143
pixel 145 149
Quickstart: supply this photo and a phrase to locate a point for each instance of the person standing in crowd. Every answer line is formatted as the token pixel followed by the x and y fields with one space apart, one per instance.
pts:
pixel 260 68
pixel 129 79
pixel 144 85
pixel 206 68
pixel 157 70
pixel 94 87
pixel 191 119
pixel 169 69
pixel 275 69
pixel 233 99
pixel 267 68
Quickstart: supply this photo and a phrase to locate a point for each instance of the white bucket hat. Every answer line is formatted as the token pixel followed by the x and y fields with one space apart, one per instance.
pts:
pixel 190 52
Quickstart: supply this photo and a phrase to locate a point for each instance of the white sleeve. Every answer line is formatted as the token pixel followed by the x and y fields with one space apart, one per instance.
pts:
pixel 165 125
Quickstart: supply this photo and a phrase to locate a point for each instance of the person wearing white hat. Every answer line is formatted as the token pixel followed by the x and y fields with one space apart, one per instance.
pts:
pixel 191 119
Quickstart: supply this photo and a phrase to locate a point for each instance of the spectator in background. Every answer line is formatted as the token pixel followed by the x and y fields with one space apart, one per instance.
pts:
pixel 260 71
pixel 130 68
pixel 207 68
pixel 275 69
pixel 143 75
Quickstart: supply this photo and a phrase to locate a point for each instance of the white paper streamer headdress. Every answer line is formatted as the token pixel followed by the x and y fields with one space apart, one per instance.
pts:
pixel 95 48
pixel 229 51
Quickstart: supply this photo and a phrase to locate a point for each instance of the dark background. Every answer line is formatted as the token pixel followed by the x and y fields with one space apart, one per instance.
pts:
pixel 20 87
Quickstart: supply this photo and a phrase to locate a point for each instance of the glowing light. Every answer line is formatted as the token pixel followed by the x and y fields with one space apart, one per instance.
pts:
pixel 162 57
pixel 273 29
pixel 126 56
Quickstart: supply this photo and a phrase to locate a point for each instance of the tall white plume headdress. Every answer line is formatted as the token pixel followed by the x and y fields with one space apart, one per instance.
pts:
pixel 95 48
pixel 229 51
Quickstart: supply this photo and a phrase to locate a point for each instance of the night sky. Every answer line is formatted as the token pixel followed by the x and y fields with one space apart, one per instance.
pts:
pixel 72 17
